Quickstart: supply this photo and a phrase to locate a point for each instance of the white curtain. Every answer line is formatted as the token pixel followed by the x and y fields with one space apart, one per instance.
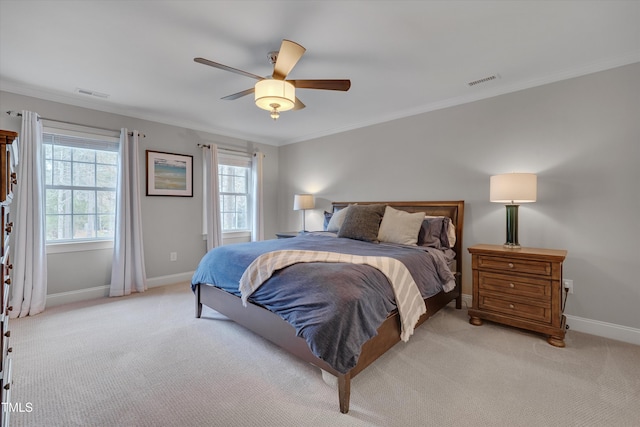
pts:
pixel 257 231
pixel 128 270
pixel 212 222
pixel 29 283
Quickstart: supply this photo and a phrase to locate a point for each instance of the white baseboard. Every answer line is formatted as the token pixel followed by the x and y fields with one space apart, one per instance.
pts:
pixel 604 329
pixel 588 326
pixel 103 291
pixel 579 324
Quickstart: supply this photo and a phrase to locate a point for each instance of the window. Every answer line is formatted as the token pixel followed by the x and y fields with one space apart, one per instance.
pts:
pixel 80 187
pixel 234 173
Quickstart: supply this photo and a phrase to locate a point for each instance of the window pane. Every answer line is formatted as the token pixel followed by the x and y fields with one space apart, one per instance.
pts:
pixel 61 173
pixel 240 185
pixel 106 225
pixel 58 201
pixel 83 155
pixel 84 202
pixel 106 175
pixel 106 201
pixel 61 153
pixel 226 184
pixel 107 157
pixel 48 172
pixel 83 226
pixel 84 174
pixel 58 227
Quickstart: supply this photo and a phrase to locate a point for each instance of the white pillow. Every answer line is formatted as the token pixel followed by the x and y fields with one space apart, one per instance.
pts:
pixel 337 219
pixel 400 227
pixel 451 230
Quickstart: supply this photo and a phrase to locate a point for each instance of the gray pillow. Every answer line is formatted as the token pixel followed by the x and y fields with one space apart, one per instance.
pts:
pixel 433 233
pixel 400 227
pixel 362 222
pixel 337 219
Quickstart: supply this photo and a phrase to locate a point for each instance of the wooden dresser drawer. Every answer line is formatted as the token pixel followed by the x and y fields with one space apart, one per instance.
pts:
pixel 514 285
pixel 514 265
pixel 526 310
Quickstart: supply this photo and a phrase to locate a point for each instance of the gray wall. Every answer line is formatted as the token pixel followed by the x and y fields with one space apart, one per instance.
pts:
pixel 580 136
pixel 170 224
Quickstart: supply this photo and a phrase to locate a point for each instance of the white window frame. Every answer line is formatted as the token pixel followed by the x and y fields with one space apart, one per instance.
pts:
pixel 89 133
pixel 228 159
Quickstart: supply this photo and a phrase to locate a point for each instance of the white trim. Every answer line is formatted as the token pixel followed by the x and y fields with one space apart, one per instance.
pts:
pixel 75 296
pixel 103 291
pixel 171 279
pixel 604 329
pixel 93 245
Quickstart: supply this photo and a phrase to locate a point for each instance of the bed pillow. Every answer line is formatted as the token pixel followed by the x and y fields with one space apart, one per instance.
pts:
pixel 400 227
pixel 433 233
pixel 327 218
pixel 451 229
pixel 337 218
pixel 362 222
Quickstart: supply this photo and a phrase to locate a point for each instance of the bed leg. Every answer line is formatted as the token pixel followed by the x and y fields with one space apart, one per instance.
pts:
pixel 198 303
pixel 459 289
pixel 344 391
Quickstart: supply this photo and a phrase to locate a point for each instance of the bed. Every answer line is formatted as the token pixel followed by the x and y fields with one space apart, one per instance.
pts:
pixel 260 317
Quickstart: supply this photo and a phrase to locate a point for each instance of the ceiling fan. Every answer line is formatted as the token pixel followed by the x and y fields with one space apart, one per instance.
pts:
pixel 275 93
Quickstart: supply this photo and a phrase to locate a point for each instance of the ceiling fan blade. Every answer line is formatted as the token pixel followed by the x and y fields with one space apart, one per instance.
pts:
pixel 343 85
pixel 288 56
pixel 298 105
pixel 226 68
pixel 239 94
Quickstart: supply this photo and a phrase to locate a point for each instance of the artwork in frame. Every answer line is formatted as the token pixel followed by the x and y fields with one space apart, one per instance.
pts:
pixel 169 174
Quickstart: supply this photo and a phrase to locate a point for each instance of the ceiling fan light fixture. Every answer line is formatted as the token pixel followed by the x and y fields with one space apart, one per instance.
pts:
pixel 275 95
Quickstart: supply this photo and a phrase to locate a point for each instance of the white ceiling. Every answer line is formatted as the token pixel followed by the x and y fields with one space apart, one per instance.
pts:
pixel 403 57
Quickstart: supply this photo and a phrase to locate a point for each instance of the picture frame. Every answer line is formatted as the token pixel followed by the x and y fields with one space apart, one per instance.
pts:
pixel 169 174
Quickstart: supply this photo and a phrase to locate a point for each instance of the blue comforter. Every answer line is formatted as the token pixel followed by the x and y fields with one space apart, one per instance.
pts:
pixel 335 307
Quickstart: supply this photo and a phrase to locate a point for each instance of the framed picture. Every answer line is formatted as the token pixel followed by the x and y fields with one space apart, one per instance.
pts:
pixel 169 174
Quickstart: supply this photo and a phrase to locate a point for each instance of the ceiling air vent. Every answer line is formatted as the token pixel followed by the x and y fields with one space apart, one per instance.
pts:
pixel 484 80
pixel 92 93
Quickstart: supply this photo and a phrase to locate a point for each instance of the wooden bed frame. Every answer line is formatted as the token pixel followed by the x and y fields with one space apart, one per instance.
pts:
pixel 272 327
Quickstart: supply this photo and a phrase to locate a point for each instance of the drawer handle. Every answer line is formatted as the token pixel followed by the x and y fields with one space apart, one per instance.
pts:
pixel 510 265
pixel 512 306
pixel 10 349
pixel 7 334
pixel 7 386
pixel 10 266
pixel 511 285
pixel 7 280
pixel 9 227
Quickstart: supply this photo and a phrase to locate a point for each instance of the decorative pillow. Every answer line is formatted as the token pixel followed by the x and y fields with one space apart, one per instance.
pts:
pixel 337 218
pixel 362 222
pixel 451 229
pixel 433 233
pixel 327 218
pixel 400 227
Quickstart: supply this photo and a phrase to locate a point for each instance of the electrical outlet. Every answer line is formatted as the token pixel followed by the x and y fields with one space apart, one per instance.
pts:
pixel 173 256
pixel 568 284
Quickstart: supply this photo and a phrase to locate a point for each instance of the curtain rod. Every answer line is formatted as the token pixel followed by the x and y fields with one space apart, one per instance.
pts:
pixel 16 114
pixel 224 148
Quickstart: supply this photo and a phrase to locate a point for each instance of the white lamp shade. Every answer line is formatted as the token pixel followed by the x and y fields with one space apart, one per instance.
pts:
pixel 303 201
pixel 513 188
pixel 270 92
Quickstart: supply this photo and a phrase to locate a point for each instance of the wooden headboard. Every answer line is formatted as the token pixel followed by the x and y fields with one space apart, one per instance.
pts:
pixel 452 209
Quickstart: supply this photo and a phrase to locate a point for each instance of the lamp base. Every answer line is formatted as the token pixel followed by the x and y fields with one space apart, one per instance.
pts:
pixel 511 246
pixel 512 227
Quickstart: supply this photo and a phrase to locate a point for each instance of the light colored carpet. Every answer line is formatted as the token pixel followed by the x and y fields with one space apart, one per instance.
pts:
pixel 144 360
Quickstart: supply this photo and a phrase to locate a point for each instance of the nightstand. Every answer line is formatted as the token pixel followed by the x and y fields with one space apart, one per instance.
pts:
pixel 286 234
pixel 519 287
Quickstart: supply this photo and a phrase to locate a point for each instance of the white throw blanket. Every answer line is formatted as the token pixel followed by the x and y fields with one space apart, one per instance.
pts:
pixel 408 299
